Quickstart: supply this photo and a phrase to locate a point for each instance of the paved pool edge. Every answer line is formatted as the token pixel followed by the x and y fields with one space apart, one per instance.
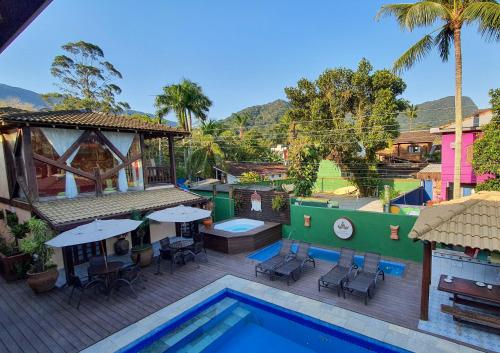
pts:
pixel 365 325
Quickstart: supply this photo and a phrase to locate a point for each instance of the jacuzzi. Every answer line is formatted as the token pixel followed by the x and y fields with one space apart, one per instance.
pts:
pixel 240 235
pixel 239 225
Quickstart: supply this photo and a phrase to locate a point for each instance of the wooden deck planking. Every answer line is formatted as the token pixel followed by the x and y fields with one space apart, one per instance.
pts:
pixel 46 323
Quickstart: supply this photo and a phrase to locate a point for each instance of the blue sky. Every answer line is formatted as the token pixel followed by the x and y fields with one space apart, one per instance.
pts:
pixel 241 52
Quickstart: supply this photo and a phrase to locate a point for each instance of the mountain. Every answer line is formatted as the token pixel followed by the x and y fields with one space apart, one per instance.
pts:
pixel 436 113
pixel 269 113
pixel 430 114
pixel 29 100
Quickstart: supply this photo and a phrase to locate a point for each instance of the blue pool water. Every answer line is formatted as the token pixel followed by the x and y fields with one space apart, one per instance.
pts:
pixel 389 267
pixel 233 322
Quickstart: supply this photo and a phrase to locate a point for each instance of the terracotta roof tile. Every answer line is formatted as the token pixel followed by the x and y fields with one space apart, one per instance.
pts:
pixel 81 209
pixel 76 118
pixel 470 221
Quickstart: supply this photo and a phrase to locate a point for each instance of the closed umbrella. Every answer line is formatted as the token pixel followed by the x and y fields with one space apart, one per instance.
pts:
pixel 181 214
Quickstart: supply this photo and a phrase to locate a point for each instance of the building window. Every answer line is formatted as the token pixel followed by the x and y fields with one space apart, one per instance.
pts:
pixel 469 153
pixel 414 149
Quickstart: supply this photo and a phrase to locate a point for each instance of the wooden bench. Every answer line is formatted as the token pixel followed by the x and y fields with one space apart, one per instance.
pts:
pixel 472 316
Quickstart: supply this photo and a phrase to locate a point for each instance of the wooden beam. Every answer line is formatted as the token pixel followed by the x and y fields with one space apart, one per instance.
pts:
pixel 73 147
pixel 125 164
pixel 98 182
pixel 112 147
pixel 63 166
pixel 171 156
pixel 426 281
pixel 29 163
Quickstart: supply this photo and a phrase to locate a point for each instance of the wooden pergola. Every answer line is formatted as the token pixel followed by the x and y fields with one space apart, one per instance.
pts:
pixel 472 221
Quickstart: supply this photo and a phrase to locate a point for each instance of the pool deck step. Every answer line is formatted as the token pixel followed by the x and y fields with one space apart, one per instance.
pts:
pixel 192 327
pixel 210 337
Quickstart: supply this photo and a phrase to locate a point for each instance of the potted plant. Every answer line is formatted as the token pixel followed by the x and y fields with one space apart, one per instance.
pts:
pixel 13 263
pixel 278 203
pixel 208 222
pixel 145 250
pixel 121 245
pixel 43 274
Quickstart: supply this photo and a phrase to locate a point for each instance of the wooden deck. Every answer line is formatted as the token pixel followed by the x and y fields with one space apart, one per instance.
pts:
pixel 46 323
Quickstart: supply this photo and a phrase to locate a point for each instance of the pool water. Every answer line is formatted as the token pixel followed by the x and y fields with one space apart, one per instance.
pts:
pixel 233 322
pixel 389 267
pixel 239 225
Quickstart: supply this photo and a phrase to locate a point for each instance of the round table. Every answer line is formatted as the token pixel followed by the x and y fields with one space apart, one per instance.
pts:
pixel 108 270
pixel 181 244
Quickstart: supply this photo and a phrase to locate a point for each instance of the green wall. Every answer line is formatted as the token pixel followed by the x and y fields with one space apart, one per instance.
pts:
pixel 224 207
pixel 372 232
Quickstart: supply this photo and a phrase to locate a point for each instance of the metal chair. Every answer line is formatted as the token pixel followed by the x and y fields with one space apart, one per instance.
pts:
pixel 77 284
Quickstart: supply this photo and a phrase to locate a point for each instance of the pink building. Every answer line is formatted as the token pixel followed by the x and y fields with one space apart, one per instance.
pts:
pixel 472 127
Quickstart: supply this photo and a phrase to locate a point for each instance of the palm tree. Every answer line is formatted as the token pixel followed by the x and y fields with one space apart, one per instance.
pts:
pixel 453 15
pixel 206 152
pixel 411 113
pixel 241 121
pixel 186 99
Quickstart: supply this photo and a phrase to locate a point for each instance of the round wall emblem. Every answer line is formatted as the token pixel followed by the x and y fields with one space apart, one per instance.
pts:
pixel 343 228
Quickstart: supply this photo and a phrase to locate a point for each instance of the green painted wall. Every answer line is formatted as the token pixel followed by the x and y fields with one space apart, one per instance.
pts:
pixel 372 232
pixel 224 207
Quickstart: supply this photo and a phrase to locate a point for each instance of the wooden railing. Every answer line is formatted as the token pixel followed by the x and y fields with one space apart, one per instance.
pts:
pixel 158 175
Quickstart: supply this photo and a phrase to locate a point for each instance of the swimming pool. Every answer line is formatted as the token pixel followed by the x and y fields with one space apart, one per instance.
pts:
pixel 233 322
pixel 239 225
pixel 389 267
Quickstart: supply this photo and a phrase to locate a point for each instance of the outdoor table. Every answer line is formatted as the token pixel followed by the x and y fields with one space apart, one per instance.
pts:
pixel 466 292
pixel 107 270
pixel 182 247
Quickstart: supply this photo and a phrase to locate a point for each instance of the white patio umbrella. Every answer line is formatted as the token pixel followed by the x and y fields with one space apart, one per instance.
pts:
pixel 95 231
pixel 180 214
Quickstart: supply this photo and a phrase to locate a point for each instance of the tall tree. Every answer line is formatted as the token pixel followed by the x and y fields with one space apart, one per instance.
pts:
pixel 486 156
pixel 206 152
pixel 411 113
pixel 186 99
pixel 351 114
pixel 241 121
pixel 453 15
pixel 85 80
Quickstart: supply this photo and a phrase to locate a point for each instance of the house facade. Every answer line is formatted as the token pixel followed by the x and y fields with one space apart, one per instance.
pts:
pixel 233 170
pixel 72 167
pixel 411 146
pixel 472 127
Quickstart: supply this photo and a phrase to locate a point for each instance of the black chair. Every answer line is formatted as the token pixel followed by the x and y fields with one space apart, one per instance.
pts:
pixel 166 253
pixel 339 274
pixel 198 246
pixel 95 261
pixel 76 284
pixel 364 281
pixel 129 275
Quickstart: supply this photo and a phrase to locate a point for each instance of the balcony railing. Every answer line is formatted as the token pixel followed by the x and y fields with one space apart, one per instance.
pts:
pixel 158 175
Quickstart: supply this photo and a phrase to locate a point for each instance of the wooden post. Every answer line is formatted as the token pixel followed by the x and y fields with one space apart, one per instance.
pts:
pixel 426 281
pixel 171 156
pixel 143 154
pixel 98 182
pixel 29 164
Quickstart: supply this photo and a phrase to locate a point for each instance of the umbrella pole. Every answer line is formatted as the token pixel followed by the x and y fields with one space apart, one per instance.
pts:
pixel 104 254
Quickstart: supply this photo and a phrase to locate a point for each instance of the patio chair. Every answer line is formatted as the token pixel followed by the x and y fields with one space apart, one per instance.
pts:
pixel 337 276
pixel 267 266
pixel 166 253
pixel 293 267
pixel 76 284
pixel 95 261
pixel 129 275
pixel 198 246
pixel 364 281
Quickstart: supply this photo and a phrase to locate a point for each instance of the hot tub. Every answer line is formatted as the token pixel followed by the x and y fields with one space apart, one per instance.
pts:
pixel 240 235
pixel 239 225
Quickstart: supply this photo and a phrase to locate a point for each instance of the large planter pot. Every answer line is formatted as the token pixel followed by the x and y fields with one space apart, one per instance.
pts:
pixel 208 223
pixel 146 253
pixel 42 281
pixel 121 246
pixel 10 265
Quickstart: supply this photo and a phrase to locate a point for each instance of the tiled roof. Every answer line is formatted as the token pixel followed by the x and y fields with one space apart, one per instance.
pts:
pixel 431 168
pixel 469 221
pixel 82 119
pixel 259 168
pixel 63 212
pixel 415 137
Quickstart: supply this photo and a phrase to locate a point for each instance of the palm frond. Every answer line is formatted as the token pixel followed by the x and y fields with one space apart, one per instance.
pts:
pixel 397 10
pixel 411 16
pixel 443 41
pixel 416 53
pixel 487 14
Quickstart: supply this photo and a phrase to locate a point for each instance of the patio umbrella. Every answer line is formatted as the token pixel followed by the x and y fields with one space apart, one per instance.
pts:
pixel 92 232
pixel 180 214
